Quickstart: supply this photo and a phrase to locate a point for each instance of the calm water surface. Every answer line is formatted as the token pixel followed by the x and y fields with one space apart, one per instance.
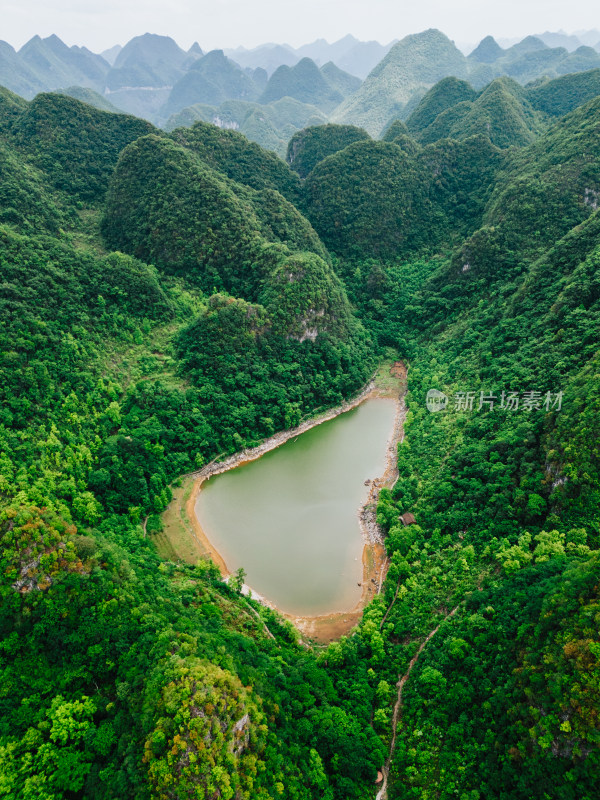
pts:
pixel 290 517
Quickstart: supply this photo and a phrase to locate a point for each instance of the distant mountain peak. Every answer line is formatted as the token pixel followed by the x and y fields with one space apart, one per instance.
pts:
pixel 214 56
pixel 348 39
pixel 153 36
pixel 6 46
pixel 35 40
pixel 57 45
pixel 487 51
pixel 305 82
pixel 528 44
pixel 306 63
pixel 415 63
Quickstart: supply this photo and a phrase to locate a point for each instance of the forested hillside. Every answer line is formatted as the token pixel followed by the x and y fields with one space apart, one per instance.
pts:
pixel 273 91
pixel 509 114
pixel 171 298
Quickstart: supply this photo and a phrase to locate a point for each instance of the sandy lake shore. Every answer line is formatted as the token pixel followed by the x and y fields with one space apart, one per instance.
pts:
pixel 181 522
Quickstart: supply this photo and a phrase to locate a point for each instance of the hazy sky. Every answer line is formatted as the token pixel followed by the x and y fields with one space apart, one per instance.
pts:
pixel 98 24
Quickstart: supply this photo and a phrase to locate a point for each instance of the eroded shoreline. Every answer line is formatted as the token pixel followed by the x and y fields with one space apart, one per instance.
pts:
pixel 327 626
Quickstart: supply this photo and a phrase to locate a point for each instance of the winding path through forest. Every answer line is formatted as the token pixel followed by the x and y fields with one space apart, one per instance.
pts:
pixel 397 716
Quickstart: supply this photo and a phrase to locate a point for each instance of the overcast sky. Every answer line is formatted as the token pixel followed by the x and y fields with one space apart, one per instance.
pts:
pixel 99 24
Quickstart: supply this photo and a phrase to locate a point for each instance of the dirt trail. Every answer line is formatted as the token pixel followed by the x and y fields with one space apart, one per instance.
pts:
pixel 391 605
pixel 397 716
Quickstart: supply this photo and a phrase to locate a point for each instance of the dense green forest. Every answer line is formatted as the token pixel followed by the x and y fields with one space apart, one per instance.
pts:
pixel 168 299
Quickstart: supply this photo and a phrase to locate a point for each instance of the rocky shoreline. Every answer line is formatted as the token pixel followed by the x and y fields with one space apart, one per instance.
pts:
pixel 251 454
pixel 368 513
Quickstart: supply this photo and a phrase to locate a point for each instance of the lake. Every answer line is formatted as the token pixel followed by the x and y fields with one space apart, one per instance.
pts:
pixel 290 518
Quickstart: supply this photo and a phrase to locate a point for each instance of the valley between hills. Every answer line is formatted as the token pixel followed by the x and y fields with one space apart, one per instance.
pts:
pixel 174 295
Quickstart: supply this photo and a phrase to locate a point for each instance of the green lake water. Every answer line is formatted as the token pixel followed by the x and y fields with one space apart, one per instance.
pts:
pixel 290 517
